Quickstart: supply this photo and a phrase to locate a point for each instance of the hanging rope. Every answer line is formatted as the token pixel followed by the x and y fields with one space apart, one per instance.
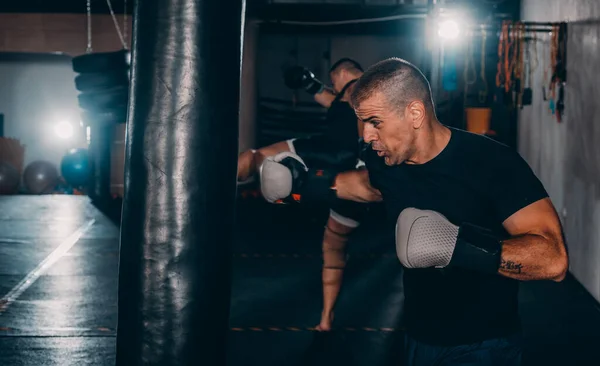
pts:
pixel 114 18
pixel 89 26
pixel 501 77
pixel 534 61
pixel 125 21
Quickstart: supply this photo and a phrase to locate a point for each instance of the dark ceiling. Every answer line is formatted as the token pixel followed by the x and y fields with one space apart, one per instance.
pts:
pixel 63 6
pixel 270 9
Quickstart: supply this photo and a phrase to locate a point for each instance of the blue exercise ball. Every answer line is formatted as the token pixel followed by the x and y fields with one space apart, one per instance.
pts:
pixel 75 167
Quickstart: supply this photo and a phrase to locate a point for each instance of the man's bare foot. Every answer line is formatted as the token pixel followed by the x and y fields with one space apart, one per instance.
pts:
pixel 326 320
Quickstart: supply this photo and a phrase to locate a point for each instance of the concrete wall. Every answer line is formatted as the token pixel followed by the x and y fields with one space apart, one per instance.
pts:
pixel 60 33
pixel 566 155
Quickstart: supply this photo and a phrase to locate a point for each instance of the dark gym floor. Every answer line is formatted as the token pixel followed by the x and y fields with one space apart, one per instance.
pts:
pixel 58 282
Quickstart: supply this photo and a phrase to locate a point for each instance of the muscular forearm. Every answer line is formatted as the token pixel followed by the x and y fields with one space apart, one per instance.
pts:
pixel 325 98
pixel 250 160
pixel 533 257
pixel 532 252
pixel 355 186
pixel 246 165
pixel 302 184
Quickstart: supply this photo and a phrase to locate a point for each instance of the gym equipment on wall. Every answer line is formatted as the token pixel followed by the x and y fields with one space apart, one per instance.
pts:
pixel 514 56
pixel 499 61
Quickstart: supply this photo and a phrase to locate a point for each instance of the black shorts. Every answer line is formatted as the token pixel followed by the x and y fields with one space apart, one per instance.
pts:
pixel 348 213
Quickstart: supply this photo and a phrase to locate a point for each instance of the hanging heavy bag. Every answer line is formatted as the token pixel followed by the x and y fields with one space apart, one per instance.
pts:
pixel 101 62
pixel 103 100
pixel 108 117
pixel 96 81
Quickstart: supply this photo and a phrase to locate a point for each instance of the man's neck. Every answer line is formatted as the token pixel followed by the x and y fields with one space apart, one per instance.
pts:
pixel 431 140
pixel 348 91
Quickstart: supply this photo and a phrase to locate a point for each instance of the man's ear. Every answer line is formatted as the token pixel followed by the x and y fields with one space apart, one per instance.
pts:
pixel 416 114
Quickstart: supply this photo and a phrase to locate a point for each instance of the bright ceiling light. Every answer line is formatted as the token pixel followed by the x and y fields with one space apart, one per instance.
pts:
pixel 448 29
pixel 63 129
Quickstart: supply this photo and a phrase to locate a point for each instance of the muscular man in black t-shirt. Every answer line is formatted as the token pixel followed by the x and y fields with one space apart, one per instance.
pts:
pixel 337 148
pixel 471 221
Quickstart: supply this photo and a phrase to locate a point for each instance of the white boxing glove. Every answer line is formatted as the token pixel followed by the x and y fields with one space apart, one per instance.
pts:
pixel 278 174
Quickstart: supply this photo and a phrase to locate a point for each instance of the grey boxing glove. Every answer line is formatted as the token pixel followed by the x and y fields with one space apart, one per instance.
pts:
pixel 277 174
pixel 426 239
pixel 284 178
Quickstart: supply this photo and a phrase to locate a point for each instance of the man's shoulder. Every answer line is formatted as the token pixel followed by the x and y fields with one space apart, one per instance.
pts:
pixel 478 140
pixel 481 148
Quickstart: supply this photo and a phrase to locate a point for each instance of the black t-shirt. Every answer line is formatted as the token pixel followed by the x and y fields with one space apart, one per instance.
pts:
pixel 342 126
pixel 338 147
pixel 342 122
pixel 475 180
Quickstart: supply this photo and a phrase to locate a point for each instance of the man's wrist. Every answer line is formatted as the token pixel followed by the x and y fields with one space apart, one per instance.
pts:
pixel 317 187
pixel 477 249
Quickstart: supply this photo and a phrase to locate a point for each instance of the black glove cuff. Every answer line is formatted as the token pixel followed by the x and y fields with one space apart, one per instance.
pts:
pixel 317 189
pixel 477 249
pixel 315 87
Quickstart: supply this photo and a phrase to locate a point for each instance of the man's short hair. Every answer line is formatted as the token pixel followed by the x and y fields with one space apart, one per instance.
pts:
pixel 346 64
pixel 399 81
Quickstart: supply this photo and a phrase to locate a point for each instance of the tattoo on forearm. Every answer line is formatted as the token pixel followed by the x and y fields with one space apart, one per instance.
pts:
pixel 511 266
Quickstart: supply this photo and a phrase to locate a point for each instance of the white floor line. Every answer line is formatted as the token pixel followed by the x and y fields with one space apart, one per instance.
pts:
pixel 44 265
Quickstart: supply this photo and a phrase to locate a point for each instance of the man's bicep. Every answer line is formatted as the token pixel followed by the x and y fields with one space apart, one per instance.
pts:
pixel 539 218
pixel 325 98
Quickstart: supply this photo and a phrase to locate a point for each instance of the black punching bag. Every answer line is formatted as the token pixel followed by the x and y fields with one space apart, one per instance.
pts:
pixel 180 182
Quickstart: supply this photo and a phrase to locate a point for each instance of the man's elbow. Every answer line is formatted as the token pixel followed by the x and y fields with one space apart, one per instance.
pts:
pixel 559 267
pixel 373 195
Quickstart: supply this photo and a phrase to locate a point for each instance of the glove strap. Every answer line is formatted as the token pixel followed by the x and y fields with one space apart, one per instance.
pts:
pixel 477 249
pixel 315 87
pixel 316 189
